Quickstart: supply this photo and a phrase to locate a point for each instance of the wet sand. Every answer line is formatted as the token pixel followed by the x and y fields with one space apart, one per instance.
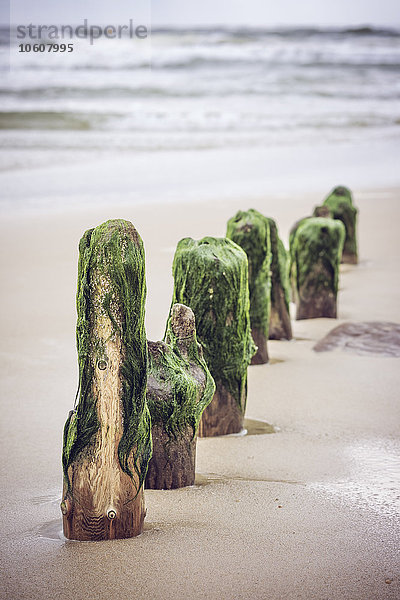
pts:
pixel 309 511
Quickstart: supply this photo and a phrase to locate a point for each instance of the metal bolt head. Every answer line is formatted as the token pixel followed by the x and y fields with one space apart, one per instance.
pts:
pixel 102 365
pixel 111 514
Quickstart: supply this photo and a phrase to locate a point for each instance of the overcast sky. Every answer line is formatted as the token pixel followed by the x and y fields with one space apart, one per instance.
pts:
pixel 206 12
pixel 267 12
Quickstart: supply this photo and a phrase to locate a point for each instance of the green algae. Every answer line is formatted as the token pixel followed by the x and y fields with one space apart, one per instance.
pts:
pixel 180 383
pixel 268 266
pixel 340 193
pixel 316 241
pixel 211 277
pixel 293 231
pixel 251 231
pixel 292 259
pixel 340 203
pixel 111 258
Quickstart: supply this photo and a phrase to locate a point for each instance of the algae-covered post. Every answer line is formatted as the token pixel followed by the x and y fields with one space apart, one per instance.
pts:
pixel 315 251
pixel 280 327
pixel 211 276
pixel 107 442
pixel 179 388
pixel 250 230
pixel 340 204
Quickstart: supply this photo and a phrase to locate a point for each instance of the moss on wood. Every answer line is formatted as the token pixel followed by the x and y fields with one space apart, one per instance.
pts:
pixel 315 250
pixel 251 231
pixel 340 203
pixel 112 253
pixel 268 272
pixel 180 383
pixel 211 277
pixel 180 387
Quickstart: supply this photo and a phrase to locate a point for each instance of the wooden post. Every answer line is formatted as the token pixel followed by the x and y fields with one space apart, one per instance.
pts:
pixel 179 388
pixel 315 256
pixel 107 441
pixel 211 276
pixel 340 203
pixel 280 327
pixel 250 230
pixel 268 278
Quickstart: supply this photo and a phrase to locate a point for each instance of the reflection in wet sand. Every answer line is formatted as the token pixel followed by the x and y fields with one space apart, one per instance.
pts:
pixel 203 479
pixel 52 530
pixel 255 427
pixel 374 480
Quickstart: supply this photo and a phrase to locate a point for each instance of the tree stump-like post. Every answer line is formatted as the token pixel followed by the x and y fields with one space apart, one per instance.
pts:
pixel 280 327
pixel 179 388
pixel 315 257
pixel 211 276
pixel 107 442
pixel 250 230
pixel 340 203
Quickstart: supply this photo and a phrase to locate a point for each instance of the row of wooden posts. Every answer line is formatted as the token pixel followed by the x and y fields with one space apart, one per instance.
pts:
pixel 140 404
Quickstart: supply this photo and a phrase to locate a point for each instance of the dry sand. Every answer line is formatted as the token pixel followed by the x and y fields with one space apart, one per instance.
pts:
pixel 311 511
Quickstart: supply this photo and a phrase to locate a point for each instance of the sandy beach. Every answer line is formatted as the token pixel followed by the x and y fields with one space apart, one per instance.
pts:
pixel 310 511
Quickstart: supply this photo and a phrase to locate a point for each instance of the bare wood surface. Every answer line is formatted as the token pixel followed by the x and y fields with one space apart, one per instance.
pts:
pixel 349 258
pixel 222 416
pixel 280 327
pixel 174 460
pixel 103 503
pixel 260 340
pixel 311 304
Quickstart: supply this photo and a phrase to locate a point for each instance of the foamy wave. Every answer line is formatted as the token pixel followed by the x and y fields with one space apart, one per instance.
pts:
pixel 206 88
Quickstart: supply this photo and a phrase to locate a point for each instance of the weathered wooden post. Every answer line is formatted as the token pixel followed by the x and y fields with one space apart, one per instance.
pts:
pixel 179 388
pixel 340 203
pixel 211 276
pixel 107 442
pixel 315 256
pixel 294 229
pixel 250 230
pixel 280 327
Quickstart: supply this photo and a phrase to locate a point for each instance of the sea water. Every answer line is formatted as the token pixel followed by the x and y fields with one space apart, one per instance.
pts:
pixel 251 109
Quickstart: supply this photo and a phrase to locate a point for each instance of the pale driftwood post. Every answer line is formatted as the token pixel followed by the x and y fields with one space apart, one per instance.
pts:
pixel 211 276
pixel 107 441
pixel 250 230
pixel 280 327
pixel 340 204
pixel 316 249
pixel 179 388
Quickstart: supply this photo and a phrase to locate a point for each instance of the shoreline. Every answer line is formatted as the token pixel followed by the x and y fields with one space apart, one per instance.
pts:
pixel 137 179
